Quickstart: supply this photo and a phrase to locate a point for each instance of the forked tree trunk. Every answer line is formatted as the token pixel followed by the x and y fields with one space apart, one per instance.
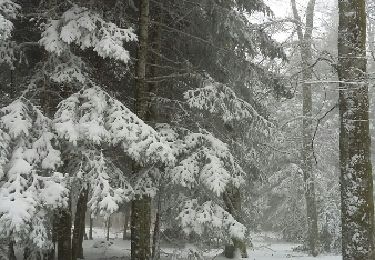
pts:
pixel 141 205
pixel 232 201
pixel 305 42
pixel 357 205
pixel 79 225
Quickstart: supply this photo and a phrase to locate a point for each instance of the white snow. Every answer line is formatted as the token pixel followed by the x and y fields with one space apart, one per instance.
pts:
pixel 118 249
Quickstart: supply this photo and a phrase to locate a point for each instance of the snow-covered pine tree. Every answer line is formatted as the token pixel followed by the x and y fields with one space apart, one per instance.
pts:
pixel 88 29
pixel 216 59
pixel 204 169
pixel 90 119
pixel 30 187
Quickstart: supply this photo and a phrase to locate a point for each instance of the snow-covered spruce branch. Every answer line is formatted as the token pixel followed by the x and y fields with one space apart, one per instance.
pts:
pixel 200 159
pixel 28 153
pixel 217 98
pixel 8 11
pixel 93 116
pixel 87 29
pixel 209 217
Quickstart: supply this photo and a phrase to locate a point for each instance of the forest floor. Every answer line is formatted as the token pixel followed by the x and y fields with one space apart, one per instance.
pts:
pixel 263 249
pixel 118 249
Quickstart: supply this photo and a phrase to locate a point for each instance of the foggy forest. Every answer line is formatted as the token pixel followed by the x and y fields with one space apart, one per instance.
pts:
pixel 187 129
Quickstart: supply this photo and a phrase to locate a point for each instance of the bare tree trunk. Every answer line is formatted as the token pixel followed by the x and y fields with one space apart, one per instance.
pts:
pixel 156 233
pixel 79 225
pixel 82 232
pixel 108 226
pixel 90 231
pixel 127 214
pixel 305 41
pixel 140 228
pixel 232 201
pixel 11 255
pixel 154 71
pixel 156 238
pixel 64 234
pixel 141 205
pixel 357 204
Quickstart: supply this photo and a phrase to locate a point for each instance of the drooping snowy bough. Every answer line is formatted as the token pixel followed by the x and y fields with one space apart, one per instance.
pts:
pixel 92 118
pixel 30 186
pixel 204 168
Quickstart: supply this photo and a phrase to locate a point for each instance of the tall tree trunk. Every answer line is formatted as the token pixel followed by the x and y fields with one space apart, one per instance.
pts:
pixel 305 42
pixel 157 223
pixel 64 234
pixel 153 87
pixel 11 254
pixel 108 226
pixel 141 205
pixel 127 213
pixel 82 234
pixel 79 225
pixel 156 237
pixel 140 228
pixel 90 231
pixel 371 33
pixel 232 201
pixel 357 204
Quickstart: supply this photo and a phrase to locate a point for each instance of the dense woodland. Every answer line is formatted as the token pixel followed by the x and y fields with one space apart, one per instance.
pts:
pixel 198 122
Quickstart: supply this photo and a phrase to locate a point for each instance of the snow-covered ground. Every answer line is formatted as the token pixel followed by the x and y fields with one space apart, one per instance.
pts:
pixel 121 250
pixel 118 249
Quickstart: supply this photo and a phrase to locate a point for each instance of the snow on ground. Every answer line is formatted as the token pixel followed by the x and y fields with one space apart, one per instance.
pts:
pixel 276 251
pixel 118 249
pixel 263 250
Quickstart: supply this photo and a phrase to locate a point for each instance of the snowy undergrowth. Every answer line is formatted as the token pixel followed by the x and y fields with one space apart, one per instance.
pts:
pixel 263 249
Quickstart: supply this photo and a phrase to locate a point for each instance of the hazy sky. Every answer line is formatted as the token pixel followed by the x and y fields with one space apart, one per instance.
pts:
pixel 283 9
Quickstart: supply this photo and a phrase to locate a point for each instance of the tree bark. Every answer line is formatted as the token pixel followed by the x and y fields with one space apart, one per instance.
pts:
pixel 232 201
pixel 305 41
pixel 153 87
pixel 64 250
pixel 79 225
pixel 140 228
pixel 141 205
pixel 90 231
pixel 11 254
pixel 156 237
pixel 108 226
pixel 357 204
